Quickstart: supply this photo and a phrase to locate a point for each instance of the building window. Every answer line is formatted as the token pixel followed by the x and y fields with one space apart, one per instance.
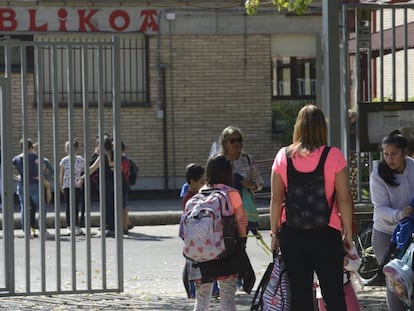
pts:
pixel 15 55
pixel 293 77
pixel 98 74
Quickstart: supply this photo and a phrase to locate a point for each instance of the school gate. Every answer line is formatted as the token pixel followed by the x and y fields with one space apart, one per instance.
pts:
pixel 377 60
pixel 47 78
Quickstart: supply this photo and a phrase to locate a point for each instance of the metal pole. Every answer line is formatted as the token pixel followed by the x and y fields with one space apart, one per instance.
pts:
pixel 331 90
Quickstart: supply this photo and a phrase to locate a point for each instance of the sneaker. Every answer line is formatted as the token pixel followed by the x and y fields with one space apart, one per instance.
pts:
pixel 125 232
pixel 240 284
pixel 49 236
pixel 110 234
pixel 192 290
pixel 33 233
pixel 216 294
pixel 68 231
pixel 79 231
pixel 216 291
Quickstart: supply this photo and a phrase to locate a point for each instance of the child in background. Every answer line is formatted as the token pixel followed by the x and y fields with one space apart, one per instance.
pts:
pixel 195 180
pixel 351 265
pixel 65 180
pixel 194 175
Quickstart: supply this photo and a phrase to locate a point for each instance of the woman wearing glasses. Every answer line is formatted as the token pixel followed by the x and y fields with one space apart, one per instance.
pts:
pixel 231 142
pixel 246 175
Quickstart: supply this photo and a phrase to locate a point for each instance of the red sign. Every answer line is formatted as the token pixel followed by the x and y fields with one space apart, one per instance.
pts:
pixel 65 19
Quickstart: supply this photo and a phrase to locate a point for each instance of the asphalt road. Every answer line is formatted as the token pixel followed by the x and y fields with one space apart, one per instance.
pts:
pixel 152 275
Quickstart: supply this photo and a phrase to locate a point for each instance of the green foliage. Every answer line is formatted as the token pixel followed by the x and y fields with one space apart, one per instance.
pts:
pixel 297 6
pixel 283 119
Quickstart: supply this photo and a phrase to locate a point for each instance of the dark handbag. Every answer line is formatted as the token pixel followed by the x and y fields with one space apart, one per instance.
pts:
pixel 247 272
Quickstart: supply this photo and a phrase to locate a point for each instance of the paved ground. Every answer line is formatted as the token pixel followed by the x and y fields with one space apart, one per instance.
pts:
pixel 152 270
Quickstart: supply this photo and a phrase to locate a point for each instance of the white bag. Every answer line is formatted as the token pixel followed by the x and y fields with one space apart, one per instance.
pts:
pixel 399 276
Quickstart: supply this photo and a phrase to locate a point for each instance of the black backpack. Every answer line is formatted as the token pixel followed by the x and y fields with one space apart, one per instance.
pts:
pixel 306 204
pixel 133 172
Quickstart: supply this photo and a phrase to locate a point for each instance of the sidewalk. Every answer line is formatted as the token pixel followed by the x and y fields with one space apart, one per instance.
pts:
pixel 141 213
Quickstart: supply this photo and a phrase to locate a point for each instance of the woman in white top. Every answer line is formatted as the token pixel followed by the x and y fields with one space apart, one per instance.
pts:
pixel 392 187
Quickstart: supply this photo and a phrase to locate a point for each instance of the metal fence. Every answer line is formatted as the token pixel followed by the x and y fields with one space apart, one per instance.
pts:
pixel 55 261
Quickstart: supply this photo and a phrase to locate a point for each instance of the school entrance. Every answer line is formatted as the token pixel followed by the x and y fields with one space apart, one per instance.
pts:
pixel 74 89
pixel 377 60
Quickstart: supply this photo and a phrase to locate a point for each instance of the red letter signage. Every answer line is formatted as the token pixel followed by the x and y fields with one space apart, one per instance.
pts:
pixel 7 20
pixel 33 27
pixel 149 20
pixel 85 20
pixel 117 14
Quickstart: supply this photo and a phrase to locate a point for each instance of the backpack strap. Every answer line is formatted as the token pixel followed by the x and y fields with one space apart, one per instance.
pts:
pixel 319 167
pixel 221 193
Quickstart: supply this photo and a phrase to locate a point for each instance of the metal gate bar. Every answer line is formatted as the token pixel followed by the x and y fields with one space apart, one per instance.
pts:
pixel 48 52
pixel 393 21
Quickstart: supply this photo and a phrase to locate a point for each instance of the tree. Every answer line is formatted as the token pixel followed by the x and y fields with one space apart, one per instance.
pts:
pixel 297 6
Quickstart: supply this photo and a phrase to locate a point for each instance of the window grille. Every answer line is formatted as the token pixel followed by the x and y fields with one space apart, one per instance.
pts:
pixel 132 62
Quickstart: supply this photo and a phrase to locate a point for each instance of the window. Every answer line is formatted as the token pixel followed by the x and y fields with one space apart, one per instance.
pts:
pixel 15 53
pixel 98 73
pixel 293 77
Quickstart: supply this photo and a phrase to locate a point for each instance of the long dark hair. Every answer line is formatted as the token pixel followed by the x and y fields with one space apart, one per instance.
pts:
pixel 384 171
pixel 219 171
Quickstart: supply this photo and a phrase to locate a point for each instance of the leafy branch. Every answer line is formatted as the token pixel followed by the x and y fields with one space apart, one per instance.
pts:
pixel 297 6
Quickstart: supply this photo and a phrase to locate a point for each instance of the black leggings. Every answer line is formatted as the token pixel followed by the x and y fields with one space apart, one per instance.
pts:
pixel 78 204
pixel 319 250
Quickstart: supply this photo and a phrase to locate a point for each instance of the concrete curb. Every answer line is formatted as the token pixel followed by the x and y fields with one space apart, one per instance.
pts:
pixel 169 217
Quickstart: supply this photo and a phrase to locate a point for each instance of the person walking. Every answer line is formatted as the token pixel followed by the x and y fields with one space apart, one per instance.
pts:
pixel 246 175
pixel 108 170
pixel 65 183
pixel 126 188
pixel 392 187
pixel 310 212
pixel 219 176
pixel 33 175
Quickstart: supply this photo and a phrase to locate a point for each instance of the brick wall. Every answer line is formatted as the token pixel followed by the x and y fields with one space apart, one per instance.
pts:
pixel 212 81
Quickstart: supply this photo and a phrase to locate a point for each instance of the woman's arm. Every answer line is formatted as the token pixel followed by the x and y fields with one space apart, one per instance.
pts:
pixel 239 212
pixel 61 175
pixel 94 166
pixel 277 197
pixel 380 197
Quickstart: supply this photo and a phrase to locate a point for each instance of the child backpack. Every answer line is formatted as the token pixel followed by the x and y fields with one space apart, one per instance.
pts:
pixel 399 276
pixel 126 168
pixel 209 228
pixel 133 172
pixel 312 210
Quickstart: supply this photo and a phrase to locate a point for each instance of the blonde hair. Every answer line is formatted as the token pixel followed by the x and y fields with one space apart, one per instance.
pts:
pixel 310 131
pixel 230 130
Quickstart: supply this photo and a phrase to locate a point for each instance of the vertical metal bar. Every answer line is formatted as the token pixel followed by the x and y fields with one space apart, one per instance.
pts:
pixel 382 53
pixel 102 190
pixel 358 92
pixel 87 184
pixel 405 54
pixel 116 117
pixel 25 177
pixel 394 76
pixel 42 207
pixel 345 78
pixel 69 81
pixel 55 106
pixel 6 173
